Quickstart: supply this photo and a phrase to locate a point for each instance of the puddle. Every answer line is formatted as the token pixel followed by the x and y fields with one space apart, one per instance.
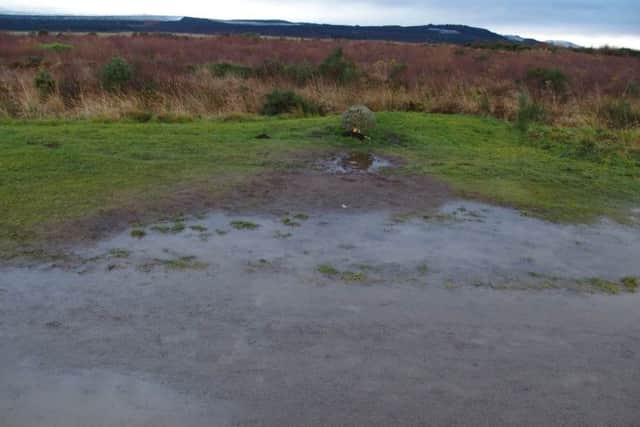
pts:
pixel 356 162
pixel 463 243
pixel 269 323
pixel 98 398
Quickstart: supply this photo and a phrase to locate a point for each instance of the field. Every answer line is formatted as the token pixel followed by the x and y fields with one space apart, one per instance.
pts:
pixel 202 77
pixel 195 231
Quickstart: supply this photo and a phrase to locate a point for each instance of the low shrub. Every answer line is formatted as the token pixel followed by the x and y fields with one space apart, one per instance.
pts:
pixel 287 101
pixel 116 74
pixel 358 119
pixel 552 78
pixel 224 69
pixel 139 116
pixel 528 112
pixel 174 118
pixel 619 114
pixel 338 68
pixel 45 83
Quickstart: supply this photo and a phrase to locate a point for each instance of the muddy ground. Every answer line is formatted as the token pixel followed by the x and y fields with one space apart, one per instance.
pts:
pixel 314 298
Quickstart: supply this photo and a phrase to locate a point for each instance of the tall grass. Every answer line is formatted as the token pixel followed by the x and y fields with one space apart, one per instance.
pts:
pixel 219 75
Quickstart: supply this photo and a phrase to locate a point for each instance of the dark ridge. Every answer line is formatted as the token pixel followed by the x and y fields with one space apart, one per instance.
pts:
pixel 458 34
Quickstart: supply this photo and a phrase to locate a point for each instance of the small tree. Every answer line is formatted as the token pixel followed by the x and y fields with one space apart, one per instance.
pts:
pixel 116 74
pixel 45 83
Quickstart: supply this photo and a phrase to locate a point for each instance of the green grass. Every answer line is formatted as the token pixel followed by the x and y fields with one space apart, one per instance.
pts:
pixel 351 276
pixel 553 175
pixel 327 270
pixel 138 233
pixel 244 225
pixel 184 263
pixel 57 172
pixel 176 228
pixel 289 222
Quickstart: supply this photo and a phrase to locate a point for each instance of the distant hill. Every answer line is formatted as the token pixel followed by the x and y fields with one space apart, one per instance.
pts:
pixel 457 34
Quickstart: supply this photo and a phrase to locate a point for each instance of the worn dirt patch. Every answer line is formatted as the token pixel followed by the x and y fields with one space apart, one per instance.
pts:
pixel 315 191
pixel 309 189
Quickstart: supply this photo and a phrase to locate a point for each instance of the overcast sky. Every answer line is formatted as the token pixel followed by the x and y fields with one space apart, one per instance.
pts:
pixel 586 22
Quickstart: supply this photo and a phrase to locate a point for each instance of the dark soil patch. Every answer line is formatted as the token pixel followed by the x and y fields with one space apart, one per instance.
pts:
pixel 314 191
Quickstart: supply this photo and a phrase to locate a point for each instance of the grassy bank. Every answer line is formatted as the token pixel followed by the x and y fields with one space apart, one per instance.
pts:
pixel 56 172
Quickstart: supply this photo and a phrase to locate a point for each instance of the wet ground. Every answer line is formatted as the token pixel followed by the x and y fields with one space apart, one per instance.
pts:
pixel 465 315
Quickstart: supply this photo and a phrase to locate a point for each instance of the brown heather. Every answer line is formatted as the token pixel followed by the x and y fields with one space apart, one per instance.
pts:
pixel 171 77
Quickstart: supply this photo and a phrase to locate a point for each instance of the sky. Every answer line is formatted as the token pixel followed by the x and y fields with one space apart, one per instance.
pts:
pixel 585 22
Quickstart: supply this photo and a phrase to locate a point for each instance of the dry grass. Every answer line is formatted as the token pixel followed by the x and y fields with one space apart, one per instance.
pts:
pixel 171 77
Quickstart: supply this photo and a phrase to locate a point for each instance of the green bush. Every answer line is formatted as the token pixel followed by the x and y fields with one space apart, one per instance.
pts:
pixel 338 68
pixel 45 83
pixel 116 74
pixel 224 69
pixel 528 112
pixel 139 116
pixel 544 78
pixel 287 101
pixel 358 119
pixel 619 114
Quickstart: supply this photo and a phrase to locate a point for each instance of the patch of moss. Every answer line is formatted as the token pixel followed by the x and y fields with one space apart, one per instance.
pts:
pixel 199 228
